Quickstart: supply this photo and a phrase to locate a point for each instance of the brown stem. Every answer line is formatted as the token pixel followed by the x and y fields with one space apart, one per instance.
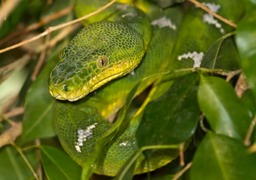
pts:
pixel 55 28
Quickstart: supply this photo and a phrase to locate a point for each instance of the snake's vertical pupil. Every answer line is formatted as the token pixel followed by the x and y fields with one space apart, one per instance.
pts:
pixel 102 61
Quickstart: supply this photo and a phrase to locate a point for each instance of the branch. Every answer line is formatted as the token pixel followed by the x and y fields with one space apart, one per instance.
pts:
pixel 9 136
pixel 32 27
pixel 6 9
pixel 15 112
pixel 55 28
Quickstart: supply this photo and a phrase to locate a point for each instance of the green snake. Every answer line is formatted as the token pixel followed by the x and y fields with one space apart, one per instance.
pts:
pixel 97 71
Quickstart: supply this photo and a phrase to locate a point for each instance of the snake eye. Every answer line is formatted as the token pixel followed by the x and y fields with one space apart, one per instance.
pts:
pixel 102 61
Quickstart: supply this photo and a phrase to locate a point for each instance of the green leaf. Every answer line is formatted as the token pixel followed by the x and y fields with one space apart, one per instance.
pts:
pixel 196 35
pixel 224 111
pixel 172 118
pixel 220 157
pixel 38 114
pixel 58 165
pixel 37 120
pixel 166 3
pixel 245 39
pixel 249 101
pixel 83 8
pixel 218 55
pixel 12 166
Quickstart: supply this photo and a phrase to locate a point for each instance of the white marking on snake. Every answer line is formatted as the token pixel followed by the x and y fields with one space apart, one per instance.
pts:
pixel 123 144
pixel 195 56
pixel 208 18
pixel 130 14
pixel 126 143
pixel 164 22
pixel 83 135
pixel 122 6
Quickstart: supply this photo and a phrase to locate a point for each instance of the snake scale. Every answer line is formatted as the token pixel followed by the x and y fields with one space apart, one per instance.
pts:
pixel 96 73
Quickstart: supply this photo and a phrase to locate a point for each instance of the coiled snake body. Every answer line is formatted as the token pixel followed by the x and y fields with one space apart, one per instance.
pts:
pixel 87 75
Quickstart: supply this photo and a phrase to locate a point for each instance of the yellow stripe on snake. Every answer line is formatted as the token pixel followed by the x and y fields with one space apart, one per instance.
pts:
pixel 96 73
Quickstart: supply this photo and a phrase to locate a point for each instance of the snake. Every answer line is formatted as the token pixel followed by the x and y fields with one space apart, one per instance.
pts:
pixel 97 71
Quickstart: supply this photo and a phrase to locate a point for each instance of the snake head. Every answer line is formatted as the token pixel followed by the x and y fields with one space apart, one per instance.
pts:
pixel 98 53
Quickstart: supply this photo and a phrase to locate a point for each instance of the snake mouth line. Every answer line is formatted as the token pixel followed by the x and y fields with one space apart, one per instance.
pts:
pixel 94 83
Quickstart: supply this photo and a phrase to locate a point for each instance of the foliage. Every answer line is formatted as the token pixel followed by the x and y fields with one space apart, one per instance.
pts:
pixel 208 112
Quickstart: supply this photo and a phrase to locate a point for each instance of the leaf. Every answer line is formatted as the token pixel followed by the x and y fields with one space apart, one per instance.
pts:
pixel 223 109
pixel 83 8
pixel 166 3
pixel 219 53
pixel 245 39
pixel 220 157
pixel 58 165
pixel 37 120
pixel 172 118
pixel 12 166
pixel 196 35
pixel 38 114
pixel 249 101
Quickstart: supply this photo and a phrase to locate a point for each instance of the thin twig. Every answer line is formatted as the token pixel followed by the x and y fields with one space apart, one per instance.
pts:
pixel 200 5
pixel 249 132
pixel 41 59
pixel 201 123
pixel 180 173
pixel 6 9
pixel 39 169
pixel 252 149
pixel 15 112
pixel 181 150
pixel 49 18
pixel 50 44
pixel 55 28
pixel 231 74
pixel 10 135
pixel 37 25
pixel 6 106
pixel 62 34
pixel 241 85
pixel 18 64
pixel 26 161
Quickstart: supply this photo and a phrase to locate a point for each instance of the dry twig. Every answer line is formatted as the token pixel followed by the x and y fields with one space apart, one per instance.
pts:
pixel 15 112
pixel 252 149
pixel 241 85
pixel 181 149
pixel 9 136
pixel 179 174
pixel 249 132
pixel 6 9
pixel 37 25
pixel 55 28
pixel 50 44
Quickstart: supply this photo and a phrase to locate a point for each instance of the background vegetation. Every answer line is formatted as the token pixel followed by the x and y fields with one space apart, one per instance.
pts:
pixel 216 114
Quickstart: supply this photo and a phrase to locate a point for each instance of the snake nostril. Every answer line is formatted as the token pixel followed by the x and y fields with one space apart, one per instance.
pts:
pixel 65 87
